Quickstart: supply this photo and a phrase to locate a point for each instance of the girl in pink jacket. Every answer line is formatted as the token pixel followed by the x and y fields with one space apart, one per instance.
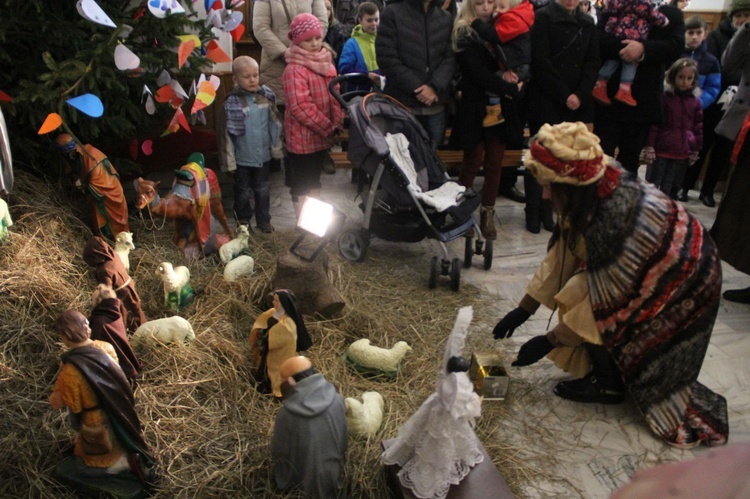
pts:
pixel 313 117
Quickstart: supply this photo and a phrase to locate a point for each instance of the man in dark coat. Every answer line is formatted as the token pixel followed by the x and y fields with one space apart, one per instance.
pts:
pixel 414 53
pixel 624 127
pixel 309 440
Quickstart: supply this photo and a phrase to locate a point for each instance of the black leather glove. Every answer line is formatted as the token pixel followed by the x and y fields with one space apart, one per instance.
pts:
pixel 486 30
pixel 509 323
pixel 533 350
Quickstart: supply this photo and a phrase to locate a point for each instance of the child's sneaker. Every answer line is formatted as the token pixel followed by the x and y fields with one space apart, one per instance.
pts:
pixel 494 116
pixel 600 93
pixel 265 227
pixel 626 97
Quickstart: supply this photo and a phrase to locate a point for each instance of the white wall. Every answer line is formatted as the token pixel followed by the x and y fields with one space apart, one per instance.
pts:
pixel 716 5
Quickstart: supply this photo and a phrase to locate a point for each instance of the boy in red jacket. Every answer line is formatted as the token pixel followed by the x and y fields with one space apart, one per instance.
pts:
pixel 312 117
pixel 510 35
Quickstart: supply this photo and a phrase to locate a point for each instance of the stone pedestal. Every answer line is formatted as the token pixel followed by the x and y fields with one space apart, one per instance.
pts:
pixel 310 284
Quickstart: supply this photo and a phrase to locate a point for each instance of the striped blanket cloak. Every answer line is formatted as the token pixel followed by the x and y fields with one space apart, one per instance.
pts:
pixel 654 277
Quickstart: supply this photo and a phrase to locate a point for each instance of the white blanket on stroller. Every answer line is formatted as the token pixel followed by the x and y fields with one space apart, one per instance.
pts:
pixel 443 197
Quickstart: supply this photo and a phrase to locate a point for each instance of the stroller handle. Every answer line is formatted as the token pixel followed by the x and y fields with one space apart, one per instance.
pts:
pixel 344 98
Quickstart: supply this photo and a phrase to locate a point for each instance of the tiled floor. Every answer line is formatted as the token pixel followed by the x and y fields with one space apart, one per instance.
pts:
pixel 588 450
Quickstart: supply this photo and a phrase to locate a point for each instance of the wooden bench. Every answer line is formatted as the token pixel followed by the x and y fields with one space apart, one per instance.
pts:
pixel 452 159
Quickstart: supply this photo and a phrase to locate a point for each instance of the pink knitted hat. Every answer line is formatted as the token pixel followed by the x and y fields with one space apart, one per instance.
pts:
pixel 304 27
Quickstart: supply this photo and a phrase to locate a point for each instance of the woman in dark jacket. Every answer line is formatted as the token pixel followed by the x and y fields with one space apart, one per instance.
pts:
pixel 479 75
pixel 564 67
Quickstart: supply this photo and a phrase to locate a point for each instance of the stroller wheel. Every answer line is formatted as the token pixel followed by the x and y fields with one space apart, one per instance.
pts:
pixel 353 246
pixel 468 252
pixel 455 274
pixel 488 254
pixel 433 273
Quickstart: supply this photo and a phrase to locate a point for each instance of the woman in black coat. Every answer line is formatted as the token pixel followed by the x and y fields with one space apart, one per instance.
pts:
pixel 564 68
pixel 479 68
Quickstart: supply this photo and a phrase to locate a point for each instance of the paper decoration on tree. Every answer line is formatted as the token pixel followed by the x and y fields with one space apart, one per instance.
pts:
pixel 205 96
pixel 231 21
pixel 164 94
pixel 238 32
pixel 184 52
pixel 88 104
pixel 5 97
pixel 124 31
pixel 148 100
pixel 239 3
pixel 186 38
pixel 213 5
pixel 163 79
pixel 90 10
pixel 178 120
pixel 51 122
pixel 215 53
pixel 125 58
pixel 178 90
pixel 147 147
pixel 215 81
pixel 161 8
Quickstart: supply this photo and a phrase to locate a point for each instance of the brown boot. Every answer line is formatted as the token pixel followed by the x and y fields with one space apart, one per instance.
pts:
pixel 494 116
pixel 487 222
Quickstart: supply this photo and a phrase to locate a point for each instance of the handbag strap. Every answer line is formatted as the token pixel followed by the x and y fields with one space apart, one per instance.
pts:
pixel 286 11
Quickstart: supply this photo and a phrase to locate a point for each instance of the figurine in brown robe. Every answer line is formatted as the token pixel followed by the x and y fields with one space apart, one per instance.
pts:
pixel 111 271
pixel 107 325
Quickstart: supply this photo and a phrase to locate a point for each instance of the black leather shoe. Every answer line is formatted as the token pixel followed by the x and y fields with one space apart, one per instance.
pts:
pixel 512 193
pixel 737 295
pixel 707 199
pixel 589 390
pixel 682 195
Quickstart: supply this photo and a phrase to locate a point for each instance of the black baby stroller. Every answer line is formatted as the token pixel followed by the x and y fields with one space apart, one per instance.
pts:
pixel 410 195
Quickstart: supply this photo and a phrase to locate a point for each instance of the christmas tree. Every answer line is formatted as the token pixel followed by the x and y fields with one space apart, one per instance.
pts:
pixel 50 53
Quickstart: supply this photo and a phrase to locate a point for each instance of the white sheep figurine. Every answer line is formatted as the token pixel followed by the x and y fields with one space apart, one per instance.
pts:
pixel 123 245
pixel 5 220
pixel 177 290
pixel 241 266
pixel 236 246
pixel 170 330
pixel 363 419
pixel 365 355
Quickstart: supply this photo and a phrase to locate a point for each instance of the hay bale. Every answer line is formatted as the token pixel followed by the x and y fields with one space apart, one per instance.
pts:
pixel 208 428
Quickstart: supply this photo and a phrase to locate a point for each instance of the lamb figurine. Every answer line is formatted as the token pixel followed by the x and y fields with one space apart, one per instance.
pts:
pixel 236 246
pixel 170 330
pixel 5 220
pixel 363 419
pixel 177 290
pixel 363 354
pixel 241 266
pixel 123 246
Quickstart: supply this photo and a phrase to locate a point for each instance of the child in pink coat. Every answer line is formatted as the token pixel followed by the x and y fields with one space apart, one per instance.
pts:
pixel 313 117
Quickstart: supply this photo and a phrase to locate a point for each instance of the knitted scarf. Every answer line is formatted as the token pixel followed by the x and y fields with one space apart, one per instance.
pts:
pixel 320 62
pixel 366 43
pixel 234 107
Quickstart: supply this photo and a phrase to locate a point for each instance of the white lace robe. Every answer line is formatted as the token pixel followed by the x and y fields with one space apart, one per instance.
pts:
pixel 437 447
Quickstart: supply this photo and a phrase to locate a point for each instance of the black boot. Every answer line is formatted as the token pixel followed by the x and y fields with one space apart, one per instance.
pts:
pixel 738 295
pixel 602 385
pixel 547 220
pixel 533 203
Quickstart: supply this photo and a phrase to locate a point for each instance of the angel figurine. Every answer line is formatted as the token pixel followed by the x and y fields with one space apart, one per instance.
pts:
pixel 437 447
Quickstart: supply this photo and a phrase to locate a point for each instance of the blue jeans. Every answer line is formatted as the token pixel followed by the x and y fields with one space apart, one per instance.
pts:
pixel 610 66
pixel 434 125
pixel 252 184
pixel 667 174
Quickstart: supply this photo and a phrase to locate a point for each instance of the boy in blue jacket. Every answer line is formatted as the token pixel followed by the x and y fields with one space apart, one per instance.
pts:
pixel 358 55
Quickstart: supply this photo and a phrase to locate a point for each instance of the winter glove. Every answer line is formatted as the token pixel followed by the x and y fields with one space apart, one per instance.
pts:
pixel 486 30
pixel 509 323
pixel 533 350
